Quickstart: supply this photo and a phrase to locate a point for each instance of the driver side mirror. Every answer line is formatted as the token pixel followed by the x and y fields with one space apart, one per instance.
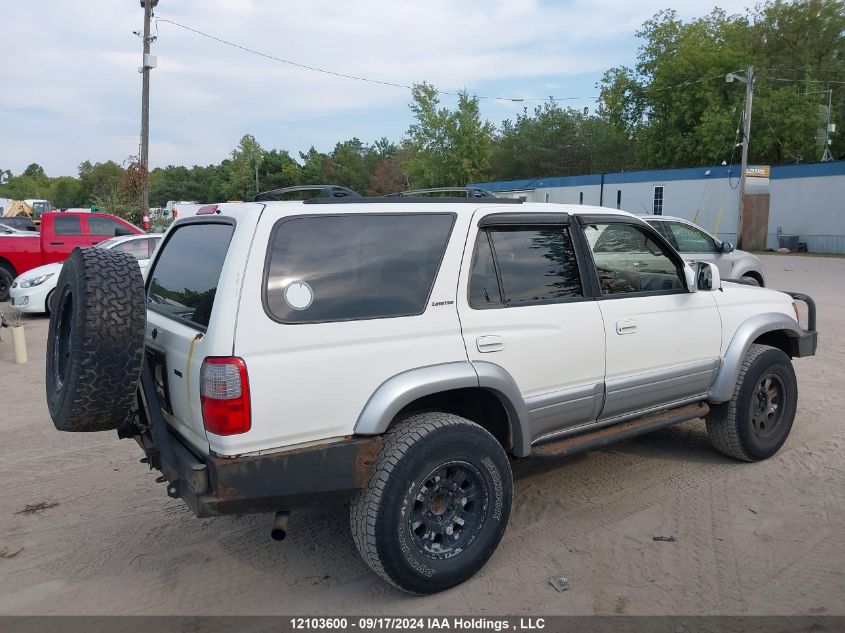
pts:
pixel 727 247
pixel 707 276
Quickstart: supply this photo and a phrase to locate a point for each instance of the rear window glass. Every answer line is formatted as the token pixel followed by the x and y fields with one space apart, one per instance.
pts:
pixel 336 268
pixel 185 277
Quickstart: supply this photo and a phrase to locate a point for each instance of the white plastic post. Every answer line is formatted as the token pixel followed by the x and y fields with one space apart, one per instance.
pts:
pixel 19 343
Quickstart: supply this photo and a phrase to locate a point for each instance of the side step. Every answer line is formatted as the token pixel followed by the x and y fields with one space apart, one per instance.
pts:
pixel 622 431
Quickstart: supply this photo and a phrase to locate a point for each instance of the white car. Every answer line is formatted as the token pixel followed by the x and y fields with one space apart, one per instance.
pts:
pixel 32 291
pixel 398 353
pixel 697 245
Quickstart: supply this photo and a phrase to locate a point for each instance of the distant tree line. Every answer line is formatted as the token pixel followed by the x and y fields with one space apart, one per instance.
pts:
pixel 672 108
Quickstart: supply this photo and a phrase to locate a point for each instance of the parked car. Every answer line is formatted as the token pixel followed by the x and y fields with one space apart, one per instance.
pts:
pixel 59 234
pixel 32 292
pixel 696 244
pixel 397 353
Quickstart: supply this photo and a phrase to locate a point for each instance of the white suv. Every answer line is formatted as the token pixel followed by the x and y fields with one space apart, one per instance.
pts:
pixel 398 353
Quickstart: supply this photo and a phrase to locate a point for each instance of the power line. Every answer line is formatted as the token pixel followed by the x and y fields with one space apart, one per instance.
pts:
pixel 356 77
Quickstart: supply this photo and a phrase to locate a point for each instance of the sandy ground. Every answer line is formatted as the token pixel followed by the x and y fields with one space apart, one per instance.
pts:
pixel 84 528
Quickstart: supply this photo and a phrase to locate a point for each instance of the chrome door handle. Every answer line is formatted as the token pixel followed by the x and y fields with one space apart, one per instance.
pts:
pixel 626 326
pixel 490 343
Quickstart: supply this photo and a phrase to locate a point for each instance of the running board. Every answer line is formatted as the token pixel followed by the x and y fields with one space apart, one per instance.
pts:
pixel 622 431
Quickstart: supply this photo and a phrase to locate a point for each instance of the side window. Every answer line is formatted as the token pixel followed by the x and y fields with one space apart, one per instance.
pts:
pixel 534 265
pixel 67 225
pixel 103 226
pixel 636 263
pixel 690 239
pixel 356 266
pixel 483 282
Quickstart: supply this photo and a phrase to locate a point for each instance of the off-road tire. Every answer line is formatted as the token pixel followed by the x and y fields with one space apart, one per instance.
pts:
pixel 381 514
pixel 6 280
pixel 95 342
pixel 730 425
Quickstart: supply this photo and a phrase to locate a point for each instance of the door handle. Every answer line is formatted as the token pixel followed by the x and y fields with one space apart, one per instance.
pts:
pixel 626 326
pixel 56 243
pixel 490 343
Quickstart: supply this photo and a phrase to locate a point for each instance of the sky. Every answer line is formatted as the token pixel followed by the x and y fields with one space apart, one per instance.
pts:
pixel 70 89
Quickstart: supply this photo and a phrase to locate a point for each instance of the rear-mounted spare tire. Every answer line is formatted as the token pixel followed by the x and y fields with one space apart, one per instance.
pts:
pixel 95 343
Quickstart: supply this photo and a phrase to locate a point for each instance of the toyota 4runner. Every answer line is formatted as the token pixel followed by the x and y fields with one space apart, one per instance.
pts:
pixel 397 353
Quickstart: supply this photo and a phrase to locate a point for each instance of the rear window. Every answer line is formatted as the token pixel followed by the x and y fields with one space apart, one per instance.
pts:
pixel 184 280
pixel 338 268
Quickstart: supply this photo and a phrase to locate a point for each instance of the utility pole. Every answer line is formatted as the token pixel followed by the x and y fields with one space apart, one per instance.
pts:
pixel 748 80
pixel 148 64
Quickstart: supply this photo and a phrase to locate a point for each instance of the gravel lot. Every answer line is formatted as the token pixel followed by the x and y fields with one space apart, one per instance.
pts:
pixel 84 528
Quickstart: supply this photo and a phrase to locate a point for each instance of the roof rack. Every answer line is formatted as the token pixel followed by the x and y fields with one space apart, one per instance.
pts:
pixel 300 192
pixel 468 192
pixel 410 200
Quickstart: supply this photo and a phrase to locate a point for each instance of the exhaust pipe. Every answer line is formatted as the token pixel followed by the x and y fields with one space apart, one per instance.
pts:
pixel 280 526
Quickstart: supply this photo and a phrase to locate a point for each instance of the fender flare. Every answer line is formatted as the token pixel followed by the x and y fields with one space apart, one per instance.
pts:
pixel 400 390
pixel 723 387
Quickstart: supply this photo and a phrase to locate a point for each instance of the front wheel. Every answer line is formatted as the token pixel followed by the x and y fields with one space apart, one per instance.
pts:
pixel 751 281
pixel 437 504
pixel 5 284
pixel 756 421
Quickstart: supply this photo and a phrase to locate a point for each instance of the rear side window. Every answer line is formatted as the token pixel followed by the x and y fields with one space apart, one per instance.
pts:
pixel 338 268
pixel 536 264
pixel 67 225
pixel 184 281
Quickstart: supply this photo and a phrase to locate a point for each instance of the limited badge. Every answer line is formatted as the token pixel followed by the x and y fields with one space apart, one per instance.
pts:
pixel 298 295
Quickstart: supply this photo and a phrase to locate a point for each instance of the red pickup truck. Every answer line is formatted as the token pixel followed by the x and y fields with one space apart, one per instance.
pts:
pixel 59 234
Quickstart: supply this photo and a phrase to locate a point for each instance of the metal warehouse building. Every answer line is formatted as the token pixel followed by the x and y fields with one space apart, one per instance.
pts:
pixel 807 200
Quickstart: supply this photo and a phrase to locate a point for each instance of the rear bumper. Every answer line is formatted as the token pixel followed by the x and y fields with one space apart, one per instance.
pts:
pixel 317 475
pixel 326 473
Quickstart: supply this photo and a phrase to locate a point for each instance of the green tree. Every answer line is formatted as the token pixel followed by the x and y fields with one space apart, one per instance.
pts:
pixel 99 180
pixel 677 108
pixel 240 183
pixel 448 148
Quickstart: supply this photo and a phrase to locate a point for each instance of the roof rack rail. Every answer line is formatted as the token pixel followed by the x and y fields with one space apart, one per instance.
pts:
pixel 410 200
pixel 301 192
pixel 456 192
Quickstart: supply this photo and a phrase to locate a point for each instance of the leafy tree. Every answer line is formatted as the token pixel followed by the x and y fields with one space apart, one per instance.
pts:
pixel 99 180
pixel 241 172
pixel 678 109
pixel 65 192
pixel 447 147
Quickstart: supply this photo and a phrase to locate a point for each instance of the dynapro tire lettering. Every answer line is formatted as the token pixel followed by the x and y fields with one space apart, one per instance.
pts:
pixel 497 486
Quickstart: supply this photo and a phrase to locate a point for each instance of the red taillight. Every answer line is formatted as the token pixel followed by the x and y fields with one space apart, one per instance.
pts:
pixel 224 395
pixel 175 213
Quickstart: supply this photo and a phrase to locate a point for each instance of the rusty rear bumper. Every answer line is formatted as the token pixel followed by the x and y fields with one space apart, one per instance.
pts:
pixel 316 475
pixel 319 474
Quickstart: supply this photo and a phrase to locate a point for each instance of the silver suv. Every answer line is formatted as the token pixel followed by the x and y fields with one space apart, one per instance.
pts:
pixel 697 245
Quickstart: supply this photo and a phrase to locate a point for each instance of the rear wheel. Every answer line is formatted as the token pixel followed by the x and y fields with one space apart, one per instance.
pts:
pixel 437 505
pixel 755 423
pixel 95 341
